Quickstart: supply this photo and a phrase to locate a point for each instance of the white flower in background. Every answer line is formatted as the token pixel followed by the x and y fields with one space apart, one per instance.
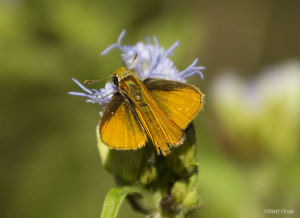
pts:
pixel 262 113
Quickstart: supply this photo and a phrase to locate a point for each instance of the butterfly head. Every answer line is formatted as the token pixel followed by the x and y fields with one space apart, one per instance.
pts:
pixel 120 75
pixel 123 73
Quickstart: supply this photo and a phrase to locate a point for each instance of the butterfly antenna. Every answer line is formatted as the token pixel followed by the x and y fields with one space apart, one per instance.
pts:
pixel 134 57
pixel 86 82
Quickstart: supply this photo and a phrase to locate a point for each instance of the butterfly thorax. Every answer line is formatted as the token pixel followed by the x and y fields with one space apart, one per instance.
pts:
pixel 129 85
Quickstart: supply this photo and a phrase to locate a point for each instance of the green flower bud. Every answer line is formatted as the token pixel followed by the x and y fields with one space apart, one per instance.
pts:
pixel 124 165
pixel 191 198
pixel 179 190
pixel 182 159
pixel 185 193
pixel 149 172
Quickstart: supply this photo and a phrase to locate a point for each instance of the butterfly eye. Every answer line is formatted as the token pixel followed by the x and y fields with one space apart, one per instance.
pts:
pixel 115 80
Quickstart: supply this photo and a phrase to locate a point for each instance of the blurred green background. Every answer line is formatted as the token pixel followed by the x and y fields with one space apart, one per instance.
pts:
pixel 248 134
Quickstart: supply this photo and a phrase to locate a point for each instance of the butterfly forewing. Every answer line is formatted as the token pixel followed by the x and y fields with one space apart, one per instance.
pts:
pixel 119 126
pixel 180 101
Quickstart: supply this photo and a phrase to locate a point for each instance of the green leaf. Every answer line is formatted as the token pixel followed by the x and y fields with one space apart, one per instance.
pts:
pixel 114 199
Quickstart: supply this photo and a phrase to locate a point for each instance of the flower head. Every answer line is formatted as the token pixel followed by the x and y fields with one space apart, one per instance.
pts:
pixel 152 62
pixel 167 186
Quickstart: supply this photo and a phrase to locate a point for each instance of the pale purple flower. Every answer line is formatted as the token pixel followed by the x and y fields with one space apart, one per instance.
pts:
pixel 101 96
pixel 152 62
